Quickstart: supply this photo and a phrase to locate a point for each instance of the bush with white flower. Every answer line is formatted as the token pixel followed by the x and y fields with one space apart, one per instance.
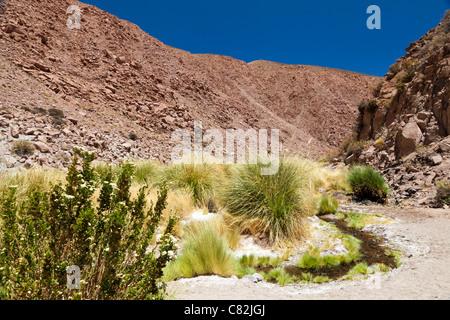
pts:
pixel 108 240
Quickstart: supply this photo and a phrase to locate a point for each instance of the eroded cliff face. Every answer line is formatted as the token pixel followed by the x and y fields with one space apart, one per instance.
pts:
pixel 407 122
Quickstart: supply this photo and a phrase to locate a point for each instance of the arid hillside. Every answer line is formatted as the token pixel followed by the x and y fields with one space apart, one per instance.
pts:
pixel 123 92
pixel 405 126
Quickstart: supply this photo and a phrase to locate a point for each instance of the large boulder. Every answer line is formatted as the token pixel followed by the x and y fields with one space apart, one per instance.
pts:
pixel 444 145
pixel 407 139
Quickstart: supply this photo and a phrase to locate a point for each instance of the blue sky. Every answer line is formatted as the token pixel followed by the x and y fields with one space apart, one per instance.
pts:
pixel 326 33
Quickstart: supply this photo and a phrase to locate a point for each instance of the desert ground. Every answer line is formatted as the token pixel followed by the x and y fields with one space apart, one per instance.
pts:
pixel 420 234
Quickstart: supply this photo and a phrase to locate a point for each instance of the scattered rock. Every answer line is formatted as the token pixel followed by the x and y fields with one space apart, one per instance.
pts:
pixel 14 132
pixel 9 161
pixel 41 67
pixel 73 120
pixel 28 163
pixel 127 146
pixel 121 60
pixel 255 278
pixel 408 138
pixel 444 145
pixel 436 160
pixel 41 146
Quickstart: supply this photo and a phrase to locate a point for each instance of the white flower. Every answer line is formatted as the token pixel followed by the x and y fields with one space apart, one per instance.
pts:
pixel 171 253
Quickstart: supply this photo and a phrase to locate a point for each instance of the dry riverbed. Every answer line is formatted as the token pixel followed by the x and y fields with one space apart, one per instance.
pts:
pixel 421 235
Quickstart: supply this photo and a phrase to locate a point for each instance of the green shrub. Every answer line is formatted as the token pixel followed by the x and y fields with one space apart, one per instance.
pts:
pixel 366 183
pixel 443 192
pixel 439 41
pixel 446 22
pixel 59 122
pixel 23 148
pixel 39 110
pixel 395 68
pixel 205 252
pixel 56 113
pixel 275 205
pixel 328 204
pixel 408 73
pixel 133 136
pixel 376 89
pixel 372 105
pixel 109 241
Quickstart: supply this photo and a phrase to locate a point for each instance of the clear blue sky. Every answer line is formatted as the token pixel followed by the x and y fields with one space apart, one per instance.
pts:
pixel 328 33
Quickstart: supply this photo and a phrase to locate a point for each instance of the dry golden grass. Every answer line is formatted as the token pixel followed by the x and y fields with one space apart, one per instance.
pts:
pixel 26 180
pixel 181 201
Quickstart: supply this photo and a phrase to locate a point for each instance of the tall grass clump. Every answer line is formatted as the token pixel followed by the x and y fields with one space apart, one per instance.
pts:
pixel 147 171
pixel 328 205
pixel 200 180
pixel 111 240
pixel 366 183
pixel 205 252
pixel 275 205
pixel 443 192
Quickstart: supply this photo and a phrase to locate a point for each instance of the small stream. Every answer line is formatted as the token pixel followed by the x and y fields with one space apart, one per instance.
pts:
pixel 372 251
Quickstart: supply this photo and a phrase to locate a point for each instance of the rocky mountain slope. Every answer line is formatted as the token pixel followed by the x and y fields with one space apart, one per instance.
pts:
pixel 111 87
pixel 406 125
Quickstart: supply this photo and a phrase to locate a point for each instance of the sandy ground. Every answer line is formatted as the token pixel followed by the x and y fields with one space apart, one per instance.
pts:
pixel 422 235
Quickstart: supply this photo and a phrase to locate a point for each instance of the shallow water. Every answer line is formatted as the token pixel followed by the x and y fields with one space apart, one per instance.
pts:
pixel 372 251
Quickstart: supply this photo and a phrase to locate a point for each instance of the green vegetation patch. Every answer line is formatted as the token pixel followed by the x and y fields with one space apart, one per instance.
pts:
pixel 367 184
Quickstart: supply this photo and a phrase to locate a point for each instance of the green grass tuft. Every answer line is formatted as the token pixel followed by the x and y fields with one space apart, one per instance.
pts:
pixel 360 268
pixel 274 204
pixel 366 183
pixel 280 275
pixel 205 252
pixel 200 180
pixel 328 205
